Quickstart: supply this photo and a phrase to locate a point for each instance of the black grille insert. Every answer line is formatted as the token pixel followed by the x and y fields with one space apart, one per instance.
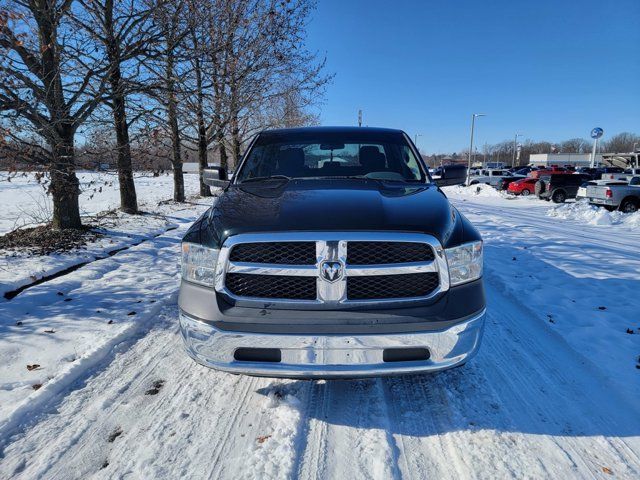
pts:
pixel 379 253
pixel 392 286
pixel 271 286
pixel 281 253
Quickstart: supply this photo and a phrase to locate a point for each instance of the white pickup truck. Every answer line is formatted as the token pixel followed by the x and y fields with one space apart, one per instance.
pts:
pixel 624 197
pixel 492 177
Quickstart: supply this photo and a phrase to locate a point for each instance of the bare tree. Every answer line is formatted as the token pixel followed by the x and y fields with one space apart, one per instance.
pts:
pixel 621 143
pixel 575 145
pixel 169 16
pixel 124 33
pixel 48 83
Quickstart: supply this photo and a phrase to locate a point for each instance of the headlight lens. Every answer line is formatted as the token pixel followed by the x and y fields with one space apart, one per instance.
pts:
pixel 465 263
pixel 199 264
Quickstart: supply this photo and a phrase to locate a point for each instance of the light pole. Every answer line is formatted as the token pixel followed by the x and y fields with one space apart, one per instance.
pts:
pixel 473 125
pixel 515 146
pixel 415 139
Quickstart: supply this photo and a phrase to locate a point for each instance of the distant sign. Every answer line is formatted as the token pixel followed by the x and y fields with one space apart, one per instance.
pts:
pixel 597 132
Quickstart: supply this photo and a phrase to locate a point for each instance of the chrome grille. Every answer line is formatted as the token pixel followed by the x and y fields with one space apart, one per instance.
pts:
pixel 379 253
pixel 378 287
pixel 271 286
pixel 280 253
pixel 330 270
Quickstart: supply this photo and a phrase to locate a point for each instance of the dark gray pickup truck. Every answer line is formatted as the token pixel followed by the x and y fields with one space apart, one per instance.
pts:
pixel 332 253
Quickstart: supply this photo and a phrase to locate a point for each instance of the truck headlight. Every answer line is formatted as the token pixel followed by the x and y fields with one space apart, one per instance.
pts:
pixel 199 264
pixel 465 263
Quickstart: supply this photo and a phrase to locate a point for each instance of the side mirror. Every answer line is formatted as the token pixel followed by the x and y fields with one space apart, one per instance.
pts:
pixel 452 175
pixel 215 177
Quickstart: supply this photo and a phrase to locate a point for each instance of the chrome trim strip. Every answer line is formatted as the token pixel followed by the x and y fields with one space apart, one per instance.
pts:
pixel 330 246
pixel 273 269
pixel 390 269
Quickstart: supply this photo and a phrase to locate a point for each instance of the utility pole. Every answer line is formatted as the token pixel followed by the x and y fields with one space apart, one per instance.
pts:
pixel 359 118
pixel 515 146
pixel 473 124
pixel 415 139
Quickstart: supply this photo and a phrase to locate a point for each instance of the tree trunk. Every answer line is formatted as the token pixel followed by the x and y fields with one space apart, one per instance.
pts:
pixel 172 113
pixel 65 187
pixel 178 183
pixel 128 198
pixel 176 158
pixel 205 191
pixel 224 159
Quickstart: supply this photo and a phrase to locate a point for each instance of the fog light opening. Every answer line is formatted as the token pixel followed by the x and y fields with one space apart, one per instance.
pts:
pixel 272 355
pixel 405 354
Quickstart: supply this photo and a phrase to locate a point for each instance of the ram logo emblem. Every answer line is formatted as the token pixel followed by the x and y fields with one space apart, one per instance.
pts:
pixel 331 271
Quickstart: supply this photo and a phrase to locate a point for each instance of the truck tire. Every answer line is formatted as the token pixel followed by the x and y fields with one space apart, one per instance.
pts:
pixel 559 196
pixel 629 205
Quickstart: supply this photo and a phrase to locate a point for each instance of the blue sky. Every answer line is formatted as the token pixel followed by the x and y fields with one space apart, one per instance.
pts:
pixel 549 69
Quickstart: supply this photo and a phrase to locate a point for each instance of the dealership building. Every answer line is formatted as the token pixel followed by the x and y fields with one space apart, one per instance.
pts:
pixel 561 159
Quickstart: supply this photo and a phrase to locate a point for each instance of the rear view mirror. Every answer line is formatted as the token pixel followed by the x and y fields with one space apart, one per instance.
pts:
pixel 451 175
pixel 331 146
pixel 215 177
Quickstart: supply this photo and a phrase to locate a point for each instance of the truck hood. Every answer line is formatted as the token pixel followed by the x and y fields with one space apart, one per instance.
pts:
pixel 331 205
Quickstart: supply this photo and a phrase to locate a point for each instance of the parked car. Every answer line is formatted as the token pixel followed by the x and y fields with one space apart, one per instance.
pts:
pixel 523 186
pixel 504 182
pixel 559 187
pixel 625 197
pixel 311 269
pixel 547 171
pixel 491 177
pixel 524 170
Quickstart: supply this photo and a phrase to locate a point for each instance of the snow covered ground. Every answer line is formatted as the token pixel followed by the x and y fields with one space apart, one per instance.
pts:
pixel 552 393
pixel 25 203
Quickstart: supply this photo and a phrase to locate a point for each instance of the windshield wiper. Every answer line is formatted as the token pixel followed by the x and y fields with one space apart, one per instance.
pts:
pixel 269 177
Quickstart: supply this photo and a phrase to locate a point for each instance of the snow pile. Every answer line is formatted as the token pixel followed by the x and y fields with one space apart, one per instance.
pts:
pixel 479 190
pixel 582 212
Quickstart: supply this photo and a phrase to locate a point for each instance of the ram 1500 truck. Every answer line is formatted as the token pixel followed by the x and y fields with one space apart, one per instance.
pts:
pixel 332 253
pixel 625 197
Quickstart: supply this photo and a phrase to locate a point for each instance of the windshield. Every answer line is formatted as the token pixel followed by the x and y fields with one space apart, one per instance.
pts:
pixel 332 155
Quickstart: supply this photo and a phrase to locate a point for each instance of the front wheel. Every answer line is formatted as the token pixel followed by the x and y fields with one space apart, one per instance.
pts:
pixel 629 206
pixel 559 197
pixel 525 192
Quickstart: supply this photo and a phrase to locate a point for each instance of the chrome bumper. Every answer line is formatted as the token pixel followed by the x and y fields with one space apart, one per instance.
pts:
pixel 331 356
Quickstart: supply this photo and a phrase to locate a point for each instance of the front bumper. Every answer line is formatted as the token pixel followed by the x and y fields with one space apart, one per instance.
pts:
pixel 331 355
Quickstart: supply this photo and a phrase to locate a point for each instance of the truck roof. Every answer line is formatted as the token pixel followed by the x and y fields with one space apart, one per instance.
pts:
pixel 329 129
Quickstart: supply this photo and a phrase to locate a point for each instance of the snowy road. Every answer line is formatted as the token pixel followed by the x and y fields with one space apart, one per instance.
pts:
pixel 534 403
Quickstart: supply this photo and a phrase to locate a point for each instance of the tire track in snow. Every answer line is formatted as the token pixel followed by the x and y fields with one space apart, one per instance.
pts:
pixel 559 377
pixel 346 435
pixel 539 219
pixel 312 462
pixel 168 435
